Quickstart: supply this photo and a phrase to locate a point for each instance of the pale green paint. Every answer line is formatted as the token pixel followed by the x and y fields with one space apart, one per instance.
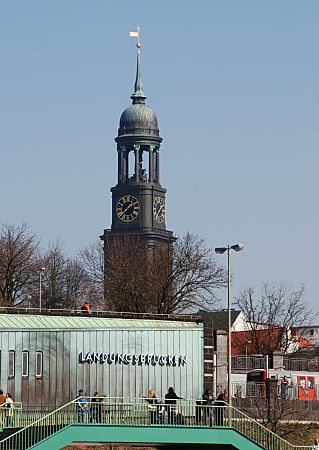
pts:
pixel 145 435
pixel 129 421
pixel 41 322
pixel 61 339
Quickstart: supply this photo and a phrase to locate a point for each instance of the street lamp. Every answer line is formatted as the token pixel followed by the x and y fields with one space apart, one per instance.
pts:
pixel 222 250
pixel 246 353
pixel 40 287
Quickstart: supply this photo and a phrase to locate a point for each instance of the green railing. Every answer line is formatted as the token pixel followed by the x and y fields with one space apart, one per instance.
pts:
pixel 138 412
pixel 11 417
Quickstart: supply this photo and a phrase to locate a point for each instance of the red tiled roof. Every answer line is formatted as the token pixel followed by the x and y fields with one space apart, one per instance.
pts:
pixel 261 341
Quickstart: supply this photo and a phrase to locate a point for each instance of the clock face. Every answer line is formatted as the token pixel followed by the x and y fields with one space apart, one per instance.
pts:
pixel 159 209
pixel 127 208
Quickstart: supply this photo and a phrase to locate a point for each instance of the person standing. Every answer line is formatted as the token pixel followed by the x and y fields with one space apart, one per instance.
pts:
pixel 2 399
pixel 283 387
pixel 153 406
pixel 2 406
pixel 96 408
pixel 82 407
pixel 219 410
pixel 86 308
pixel 170 404
pixel 315 444
pixel 208 400
pixel 9 410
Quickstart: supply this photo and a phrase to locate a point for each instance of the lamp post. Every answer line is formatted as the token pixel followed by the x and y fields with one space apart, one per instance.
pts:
pixel 40 287
pixel 222 250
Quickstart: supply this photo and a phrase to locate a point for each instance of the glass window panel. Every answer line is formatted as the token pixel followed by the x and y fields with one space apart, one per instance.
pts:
pixel 25 364
pixel 38 364
pixel 11 369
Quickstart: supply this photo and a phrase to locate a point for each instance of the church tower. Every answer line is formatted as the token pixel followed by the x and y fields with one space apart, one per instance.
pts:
pixel 138 199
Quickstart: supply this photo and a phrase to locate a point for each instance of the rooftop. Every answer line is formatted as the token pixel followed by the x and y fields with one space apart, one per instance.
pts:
pixel 32 318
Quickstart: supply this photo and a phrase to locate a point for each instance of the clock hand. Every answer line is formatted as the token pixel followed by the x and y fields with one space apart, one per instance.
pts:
pixel 128 207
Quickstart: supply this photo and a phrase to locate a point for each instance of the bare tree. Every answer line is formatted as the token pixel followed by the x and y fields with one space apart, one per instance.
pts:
pixel 127 282
pixel 161 279
pixel 64 282
pixel 91 260
pixel 280 415
pixel 187 278
pixel 18 263
pixel 272 315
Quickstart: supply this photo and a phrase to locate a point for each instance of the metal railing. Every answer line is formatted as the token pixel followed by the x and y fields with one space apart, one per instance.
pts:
pixel 138 412
pixel 248 363
pixel 99 313
pixel 10 416
pixel 294 391
pixel 301 365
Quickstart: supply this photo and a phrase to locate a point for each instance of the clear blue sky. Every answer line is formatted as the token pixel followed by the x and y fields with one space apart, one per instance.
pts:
pixel 235 88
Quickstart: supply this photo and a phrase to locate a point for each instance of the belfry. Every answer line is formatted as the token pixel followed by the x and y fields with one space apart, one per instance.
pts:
pixel 138 199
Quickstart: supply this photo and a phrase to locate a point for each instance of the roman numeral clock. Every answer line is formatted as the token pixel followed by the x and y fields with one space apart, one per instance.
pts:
pixel 138 199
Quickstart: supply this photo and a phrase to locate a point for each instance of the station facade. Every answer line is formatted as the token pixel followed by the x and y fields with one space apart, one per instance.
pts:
pixel 46 359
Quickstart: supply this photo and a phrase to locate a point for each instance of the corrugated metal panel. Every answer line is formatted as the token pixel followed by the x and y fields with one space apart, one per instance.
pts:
pixel 19 322
pixel 61 339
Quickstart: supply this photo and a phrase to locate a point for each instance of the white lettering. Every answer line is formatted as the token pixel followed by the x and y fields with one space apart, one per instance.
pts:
pixel 163 360
pixel 120 357
pixel 103 357
pixel 127 358
pixel 182 360
pixel 88 358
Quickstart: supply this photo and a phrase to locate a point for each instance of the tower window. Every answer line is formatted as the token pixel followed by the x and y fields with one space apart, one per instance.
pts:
pixel 11 366
pixel 312 332
pixel 25 364
pixel 38 364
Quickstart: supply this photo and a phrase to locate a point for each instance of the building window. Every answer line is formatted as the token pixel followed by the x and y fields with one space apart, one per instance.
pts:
pixel 312 332
pixel 38 364
pixel 25 364
pixel 11 368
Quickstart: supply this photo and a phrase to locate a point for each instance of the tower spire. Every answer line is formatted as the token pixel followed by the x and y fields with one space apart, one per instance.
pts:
pixel 138 95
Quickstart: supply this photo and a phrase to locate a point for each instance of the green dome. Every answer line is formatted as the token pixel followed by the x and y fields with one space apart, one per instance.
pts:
pixel 138 119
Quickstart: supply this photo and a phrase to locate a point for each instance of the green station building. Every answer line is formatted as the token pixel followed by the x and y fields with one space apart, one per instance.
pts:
pixel 46 359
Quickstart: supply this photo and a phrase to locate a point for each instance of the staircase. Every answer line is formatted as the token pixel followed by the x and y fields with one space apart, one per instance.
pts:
pixel 133 421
